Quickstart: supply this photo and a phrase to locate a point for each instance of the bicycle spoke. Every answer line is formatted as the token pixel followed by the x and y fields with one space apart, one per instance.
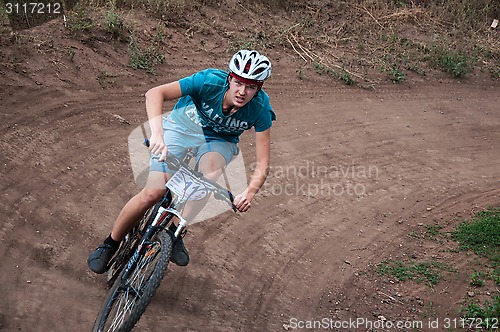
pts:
pixel 124 307
pixel 132 291
pixel 129 297
pixel 140 275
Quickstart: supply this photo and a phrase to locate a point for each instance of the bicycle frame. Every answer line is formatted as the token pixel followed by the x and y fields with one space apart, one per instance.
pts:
pixel 164 215
pixel 142 260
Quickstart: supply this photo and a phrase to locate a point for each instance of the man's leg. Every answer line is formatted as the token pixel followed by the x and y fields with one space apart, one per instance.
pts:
pixel 129 216
pixel 135 208
pixel 211 165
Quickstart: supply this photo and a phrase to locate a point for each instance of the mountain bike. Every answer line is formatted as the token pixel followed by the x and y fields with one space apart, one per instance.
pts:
pixel 138 267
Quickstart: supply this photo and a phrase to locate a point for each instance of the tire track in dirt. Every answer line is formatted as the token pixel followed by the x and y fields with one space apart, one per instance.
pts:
pixel 58 153
pixel 290 261
pixel 295 255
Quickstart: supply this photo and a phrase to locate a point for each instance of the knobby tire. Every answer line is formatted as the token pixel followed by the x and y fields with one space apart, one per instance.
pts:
pixel 123 308
pixel 128 247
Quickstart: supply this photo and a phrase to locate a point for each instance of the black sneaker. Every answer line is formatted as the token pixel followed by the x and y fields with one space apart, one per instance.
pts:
pixel 99 259
pixel 180 254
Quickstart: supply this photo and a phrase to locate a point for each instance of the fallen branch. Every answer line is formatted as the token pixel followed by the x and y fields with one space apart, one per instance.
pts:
pixel 324 62
pixel 288 29
pixel 302 48
pixel 295 49
pixel 373 17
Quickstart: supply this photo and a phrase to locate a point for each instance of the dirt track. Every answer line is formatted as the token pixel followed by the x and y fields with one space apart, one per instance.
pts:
pixel 412 155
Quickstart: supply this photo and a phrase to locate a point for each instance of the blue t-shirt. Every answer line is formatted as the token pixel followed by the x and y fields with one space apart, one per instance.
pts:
pixel 201 106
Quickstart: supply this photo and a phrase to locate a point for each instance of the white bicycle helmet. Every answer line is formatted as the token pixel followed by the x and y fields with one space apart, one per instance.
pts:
pixel 250 65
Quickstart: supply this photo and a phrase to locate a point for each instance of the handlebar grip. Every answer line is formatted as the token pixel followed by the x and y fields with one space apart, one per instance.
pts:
pixel 229 198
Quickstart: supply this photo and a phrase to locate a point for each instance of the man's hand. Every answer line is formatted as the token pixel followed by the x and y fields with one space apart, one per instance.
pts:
pixel 157 146
pixel 243 201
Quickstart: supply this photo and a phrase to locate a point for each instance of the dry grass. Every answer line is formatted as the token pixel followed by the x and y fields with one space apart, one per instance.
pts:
pixel 417 36
pixel 348 37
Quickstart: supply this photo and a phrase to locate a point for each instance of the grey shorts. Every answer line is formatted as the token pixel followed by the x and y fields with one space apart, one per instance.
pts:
pixel 179 139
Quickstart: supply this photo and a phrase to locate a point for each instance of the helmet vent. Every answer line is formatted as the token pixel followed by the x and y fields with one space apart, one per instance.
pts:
pixel 247 66
pixel 250 65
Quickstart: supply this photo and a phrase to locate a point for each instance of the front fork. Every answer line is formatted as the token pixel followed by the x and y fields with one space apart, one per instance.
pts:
pixel 162 220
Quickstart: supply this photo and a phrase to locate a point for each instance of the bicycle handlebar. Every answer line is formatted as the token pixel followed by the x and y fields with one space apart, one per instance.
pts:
pixel 220 194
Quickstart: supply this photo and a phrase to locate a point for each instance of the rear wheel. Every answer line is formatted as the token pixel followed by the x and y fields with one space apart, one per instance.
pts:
pixel 128 298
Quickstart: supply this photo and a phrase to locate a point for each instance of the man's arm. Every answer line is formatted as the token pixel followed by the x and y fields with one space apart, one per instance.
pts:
pixel 154 107
pixel 263 156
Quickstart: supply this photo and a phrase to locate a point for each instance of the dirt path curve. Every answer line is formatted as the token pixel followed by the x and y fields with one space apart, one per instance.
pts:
pixel 354 172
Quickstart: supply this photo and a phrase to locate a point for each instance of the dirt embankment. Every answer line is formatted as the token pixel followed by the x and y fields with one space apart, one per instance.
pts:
pixel 357 176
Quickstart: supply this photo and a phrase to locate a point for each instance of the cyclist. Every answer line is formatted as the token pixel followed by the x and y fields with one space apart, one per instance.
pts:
pixel 214 108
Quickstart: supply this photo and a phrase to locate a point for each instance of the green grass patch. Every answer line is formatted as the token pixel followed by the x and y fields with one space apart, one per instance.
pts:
pixel 456 63
pixel 448 58
pixel 429 272
pixel 482 236
pixel 477 279
pixel 486 316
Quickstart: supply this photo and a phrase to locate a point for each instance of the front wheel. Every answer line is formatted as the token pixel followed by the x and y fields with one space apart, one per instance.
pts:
pixel 128 298
pixel 129 245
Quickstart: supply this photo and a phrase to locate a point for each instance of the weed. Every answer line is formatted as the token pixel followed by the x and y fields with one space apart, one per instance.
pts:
pixel 416 69
pixel 396 75
pixel 476 279
pixel 343 75
pixel 419 272
pixel 254 41
pixel 456 63
pixel 391 67
pixel 434 231
pixel 346 77
pixel 399 3
pixel 79 19
pixel 482 236
pixel 105 79
pixel 114 24
pixel 495 72
pixel 144 59
pixel 300 73
pixel 414 234
pixel 486 316
pixel 160 34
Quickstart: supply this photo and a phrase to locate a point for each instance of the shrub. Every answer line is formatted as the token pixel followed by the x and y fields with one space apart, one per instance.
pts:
pixel 144 59
pixel 457 64
pixel 114 24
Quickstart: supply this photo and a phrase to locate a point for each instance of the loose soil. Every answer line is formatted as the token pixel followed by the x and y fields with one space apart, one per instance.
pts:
pixel 357 177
